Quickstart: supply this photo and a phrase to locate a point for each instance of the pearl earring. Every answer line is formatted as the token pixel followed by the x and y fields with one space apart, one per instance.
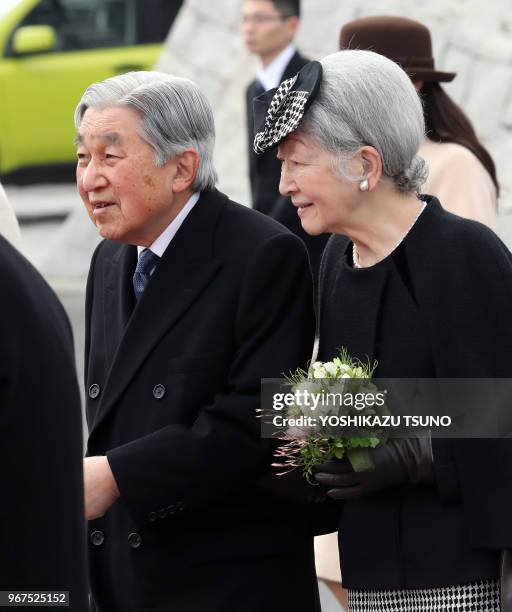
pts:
pixel 364 185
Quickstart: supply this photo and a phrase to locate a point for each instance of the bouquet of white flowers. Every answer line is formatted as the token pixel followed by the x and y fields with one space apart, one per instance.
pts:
pixel 339 386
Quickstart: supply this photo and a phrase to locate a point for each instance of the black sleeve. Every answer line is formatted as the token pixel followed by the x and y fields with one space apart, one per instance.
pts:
pixel 471 331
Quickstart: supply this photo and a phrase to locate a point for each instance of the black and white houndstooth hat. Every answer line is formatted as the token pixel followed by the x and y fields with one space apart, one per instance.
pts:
pixel 278 112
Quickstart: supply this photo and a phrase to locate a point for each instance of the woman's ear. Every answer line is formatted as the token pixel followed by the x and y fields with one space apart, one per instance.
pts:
pixel 187 164
pixel 371 165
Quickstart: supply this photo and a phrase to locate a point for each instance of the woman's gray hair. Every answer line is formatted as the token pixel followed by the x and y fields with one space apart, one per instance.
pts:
pixel 366 99
pixel 174 116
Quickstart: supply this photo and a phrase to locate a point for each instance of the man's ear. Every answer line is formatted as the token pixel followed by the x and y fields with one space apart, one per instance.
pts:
pixel 293 24
pixel 186 167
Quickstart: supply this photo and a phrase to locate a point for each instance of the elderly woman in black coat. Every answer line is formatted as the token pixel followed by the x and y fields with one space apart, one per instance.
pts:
pixel 426 294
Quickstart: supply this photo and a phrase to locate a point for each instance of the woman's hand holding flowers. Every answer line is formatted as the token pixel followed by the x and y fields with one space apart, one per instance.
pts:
pixel 397 462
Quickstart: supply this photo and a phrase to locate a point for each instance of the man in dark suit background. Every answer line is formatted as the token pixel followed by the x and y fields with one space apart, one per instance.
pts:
pixel 42 526
pixel 191 300
pixel 269 28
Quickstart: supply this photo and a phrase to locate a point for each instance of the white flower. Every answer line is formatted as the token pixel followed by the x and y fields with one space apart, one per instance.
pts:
pixel 344 367
pixel 317 364
pixel 320 373
pixel 330 368
pixel 346 375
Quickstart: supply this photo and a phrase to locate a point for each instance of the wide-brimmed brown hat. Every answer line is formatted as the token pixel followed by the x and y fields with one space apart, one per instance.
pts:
pixel 405 41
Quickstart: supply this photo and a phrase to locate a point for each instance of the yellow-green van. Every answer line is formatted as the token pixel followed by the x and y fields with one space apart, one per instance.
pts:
pixel 50 51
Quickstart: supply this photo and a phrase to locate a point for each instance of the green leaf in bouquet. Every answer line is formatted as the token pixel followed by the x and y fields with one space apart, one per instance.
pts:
pixel 339 452
pixel 360 459
pixel 363 442
pixel 294 411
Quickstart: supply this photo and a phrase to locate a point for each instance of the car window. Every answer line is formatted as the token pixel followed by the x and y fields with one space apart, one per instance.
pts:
pixel 96 24
pixel 87 24
pixel 154 19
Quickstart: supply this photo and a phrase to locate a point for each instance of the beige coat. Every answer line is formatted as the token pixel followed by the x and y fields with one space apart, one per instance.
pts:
pixel 9 227
pixel 460 181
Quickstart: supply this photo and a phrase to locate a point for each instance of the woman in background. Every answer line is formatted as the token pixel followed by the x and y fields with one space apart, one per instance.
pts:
pixel 461 171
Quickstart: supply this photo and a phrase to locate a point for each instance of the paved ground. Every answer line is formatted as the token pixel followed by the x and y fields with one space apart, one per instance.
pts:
pixel 43 210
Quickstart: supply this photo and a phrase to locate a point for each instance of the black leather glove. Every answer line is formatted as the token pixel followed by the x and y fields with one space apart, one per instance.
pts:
pixel 396 462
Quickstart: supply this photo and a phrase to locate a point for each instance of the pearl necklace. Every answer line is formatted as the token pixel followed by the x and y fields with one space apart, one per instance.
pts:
pixel 355 255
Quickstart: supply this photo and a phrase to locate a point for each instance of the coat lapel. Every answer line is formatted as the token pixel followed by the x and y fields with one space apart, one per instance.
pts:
pixel 185 270
pixel 294 65
pixel 118 296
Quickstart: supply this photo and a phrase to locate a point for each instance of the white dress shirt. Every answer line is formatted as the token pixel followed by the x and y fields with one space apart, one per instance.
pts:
pixel 162 242
pixel 272 75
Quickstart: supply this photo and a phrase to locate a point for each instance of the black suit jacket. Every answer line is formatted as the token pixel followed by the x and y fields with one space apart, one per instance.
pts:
pixel 174 385
pixel 438 306
pixel 42 524
pixel 265 174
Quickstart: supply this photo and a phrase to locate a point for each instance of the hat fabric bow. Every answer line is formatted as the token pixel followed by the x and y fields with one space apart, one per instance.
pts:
pixel 285 106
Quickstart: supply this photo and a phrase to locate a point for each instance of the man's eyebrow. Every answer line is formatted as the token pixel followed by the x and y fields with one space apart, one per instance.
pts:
pixel 110 137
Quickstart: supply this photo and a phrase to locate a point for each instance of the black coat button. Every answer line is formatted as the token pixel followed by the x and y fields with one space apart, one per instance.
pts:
pixel 171 510
pixel 97 538
pixel 134 540
pixel 162 513
pixel 152 517
pixel 158 391
pixel 94 391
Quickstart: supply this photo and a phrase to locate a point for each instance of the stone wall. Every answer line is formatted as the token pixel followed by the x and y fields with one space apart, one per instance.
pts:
pixel 471 37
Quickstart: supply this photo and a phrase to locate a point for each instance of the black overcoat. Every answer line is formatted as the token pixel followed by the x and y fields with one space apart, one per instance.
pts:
pixel 174 385
pixel 42 521
pixel 438 306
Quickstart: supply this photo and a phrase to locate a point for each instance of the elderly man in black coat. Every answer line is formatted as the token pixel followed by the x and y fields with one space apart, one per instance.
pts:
pixel 192 299
pixel 42 526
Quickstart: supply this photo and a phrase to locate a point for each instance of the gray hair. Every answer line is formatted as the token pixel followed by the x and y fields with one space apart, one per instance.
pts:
pixel 175 116
pixel 366 99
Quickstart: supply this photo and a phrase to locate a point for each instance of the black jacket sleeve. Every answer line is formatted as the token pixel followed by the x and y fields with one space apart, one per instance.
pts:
pixel 471 331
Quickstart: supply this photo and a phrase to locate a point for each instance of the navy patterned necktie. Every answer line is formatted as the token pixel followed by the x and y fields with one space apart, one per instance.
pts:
pixel 145 266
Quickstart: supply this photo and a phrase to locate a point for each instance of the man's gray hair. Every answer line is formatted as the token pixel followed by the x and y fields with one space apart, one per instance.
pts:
pixel 366 99
pixel 174 116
